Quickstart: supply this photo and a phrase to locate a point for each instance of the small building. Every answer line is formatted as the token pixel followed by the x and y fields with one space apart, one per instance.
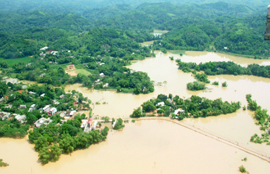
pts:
pixel 101 75
pixel 94 126
pixel 44 48
pixel 84 123
pixel 56 102
pixel 106 85
pixel 32 93
pixel 52 111
pixel 71 113
pixel 4 115
pixel 62 96
pixel 225 48
pixel 160 104
pixel 22 106
pixel 42 121
pixel 20 118
pixel 70 67
pixel 179 110
pixel 169 100
pixel 42 95
pixel 46 108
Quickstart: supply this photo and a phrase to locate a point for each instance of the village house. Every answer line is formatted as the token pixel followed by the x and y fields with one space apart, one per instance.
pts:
pixel 32 107
pixel 42 95
pixel 62 96
pixel 52 111
pixel 106 85
pixel 42 121
pixel 46 108
pixel 161 104
pixel 101 75
pixel 4 115
pixel 179 110
pixel 70 67
pixel 56 102
pixel 22 106
pixel 32 93
pixel 20 118
pixel 44 48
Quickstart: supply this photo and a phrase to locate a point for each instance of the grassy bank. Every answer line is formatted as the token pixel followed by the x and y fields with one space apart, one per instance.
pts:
pixel 11 62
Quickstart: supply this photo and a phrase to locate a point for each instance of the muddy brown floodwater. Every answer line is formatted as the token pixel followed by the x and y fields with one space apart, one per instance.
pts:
pixel 157 146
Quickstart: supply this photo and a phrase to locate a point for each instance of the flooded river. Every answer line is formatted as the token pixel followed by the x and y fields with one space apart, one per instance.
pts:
pixel 156 146
pixel 148 147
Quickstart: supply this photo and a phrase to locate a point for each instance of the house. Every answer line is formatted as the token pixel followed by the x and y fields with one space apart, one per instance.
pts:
pixel 94 126
pixel 225 48
pixel 101 75
pixel 170 100
pixel 44 48
pixel 84 123
pixel 71 113
pixel 160 104
pixel 32 107
pixel 42 95
pixel 56 102
pixel 42 121
pixel 20 118
pixel 4 115
pixel 179 110
pixel 106 85
pixel 62 96
pixel 70 67
pixel 53 52
pixel 32 93
pixel 22 106
pixel 46 108
pixel 114 123
pixel 52 111
pixel 2 99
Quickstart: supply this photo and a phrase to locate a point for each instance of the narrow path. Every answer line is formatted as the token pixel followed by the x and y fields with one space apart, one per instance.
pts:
pixel 236 145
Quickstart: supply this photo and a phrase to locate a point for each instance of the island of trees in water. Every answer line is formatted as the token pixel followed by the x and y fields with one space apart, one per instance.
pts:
pixel 218 68
pixel 262 119
pixel 181 108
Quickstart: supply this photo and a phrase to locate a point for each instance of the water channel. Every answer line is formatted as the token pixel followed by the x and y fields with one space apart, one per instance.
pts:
pixel 157 146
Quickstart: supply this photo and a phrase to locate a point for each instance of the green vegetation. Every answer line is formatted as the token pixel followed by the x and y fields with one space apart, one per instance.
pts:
pixel 224 84
pixel 242 169
pixel 262 119
pixel 118 124
pixel 195 86
pixel 3 164
pixel 11 62
pixel 53 140
pixel 217 68
pixel 215 83
pixel 185 108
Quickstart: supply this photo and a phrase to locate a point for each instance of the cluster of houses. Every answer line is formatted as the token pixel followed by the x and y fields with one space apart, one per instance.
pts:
pixel 6 115
pixel 176 112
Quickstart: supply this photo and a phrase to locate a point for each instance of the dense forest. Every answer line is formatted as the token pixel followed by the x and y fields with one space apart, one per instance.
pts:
pixel 207 26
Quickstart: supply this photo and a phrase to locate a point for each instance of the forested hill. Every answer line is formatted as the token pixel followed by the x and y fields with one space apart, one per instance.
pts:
pixel 77 6
pixel 206 26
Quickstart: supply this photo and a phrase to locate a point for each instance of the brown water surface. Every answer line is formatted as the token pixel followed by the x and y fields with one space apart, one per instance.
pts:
pixel 148 147
pixel 160 146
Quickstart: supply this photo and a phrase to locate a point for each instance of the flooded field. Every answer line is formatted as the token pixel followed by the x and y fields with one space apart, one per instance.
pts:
pixel 156 146
pixel 148 147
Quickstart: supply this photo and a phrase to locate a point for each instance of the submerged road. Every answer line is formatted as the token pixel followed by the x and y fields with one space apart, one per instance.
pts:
pixel 236 145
